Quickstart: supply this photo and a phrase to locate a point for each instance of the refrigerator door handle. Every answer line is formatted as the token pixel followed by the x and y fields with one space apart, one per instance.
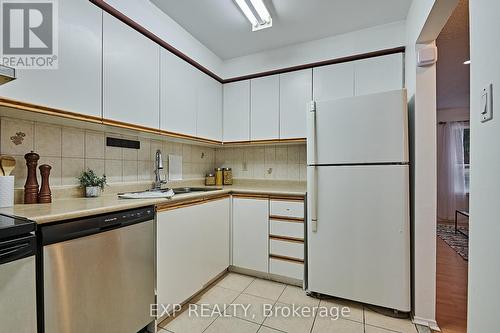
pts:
pixel 313 181
pixel 311 134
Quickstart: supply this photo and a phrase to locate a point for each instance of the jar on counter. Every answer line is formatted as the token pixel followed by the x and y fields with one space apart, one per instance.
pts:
pixel 210 179
pixel 227 176
pixel 218 176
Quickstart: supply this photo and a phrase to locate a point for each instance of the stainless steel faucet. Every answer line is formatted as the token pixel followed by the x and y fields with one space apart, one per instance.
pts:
pixel 158 166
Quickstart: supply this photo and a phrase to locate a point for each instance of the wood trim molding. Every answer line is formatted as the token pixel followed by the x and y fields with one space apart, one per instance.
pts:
pixel 286 219
pixel 139 28
pixel 189 202
pixel 125 19
pixel 360 56
pixel 285 258
pixel 251 196
pixel 286 238
pixel 47 110
pixel 189 137
pixel 122 124
pixel 281 239
pixel 287 198
pixel 264 142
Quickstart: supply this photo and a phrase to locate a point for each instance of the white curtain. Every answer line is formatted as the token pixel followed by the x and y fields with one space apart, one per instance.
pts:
pixel 451 170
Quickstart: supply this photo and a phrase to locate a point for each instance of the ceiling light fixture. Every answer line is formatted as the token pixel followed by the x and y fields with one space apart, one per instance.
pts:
pixel 467 62
pixel 256 12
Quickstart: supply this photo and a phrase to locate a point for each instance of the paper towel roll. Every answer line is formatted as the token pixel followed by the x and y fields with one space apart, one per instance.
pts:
pixel 6 191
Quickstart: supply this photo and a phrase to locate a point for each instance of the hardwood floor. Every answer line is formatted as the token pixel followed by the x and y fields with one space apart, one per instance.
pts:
pixel 451 285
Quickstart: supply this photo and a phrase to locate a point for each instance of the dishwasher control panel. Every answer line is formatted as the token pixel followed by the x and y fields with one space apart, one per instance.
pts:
pixel 70 229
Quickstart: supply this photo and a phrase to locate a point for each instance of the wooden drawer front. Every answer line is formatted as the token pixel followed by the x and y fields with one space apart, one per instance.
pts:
pixel 293 209
pixel 291 249
pixel 287 229
pixel 286 268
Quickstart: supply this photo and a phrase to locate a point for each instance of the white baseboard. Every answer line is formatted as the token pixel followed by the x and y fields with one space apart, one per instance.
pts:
pixel 432 324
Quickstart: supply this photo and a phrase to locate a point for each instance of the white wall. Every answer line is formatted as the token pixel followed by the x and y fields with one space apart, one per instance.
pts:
pixel 484 250
pixel 367 40
pixel 362 41
pixel 424 202
pixel 425 20
pixel 454 114
pixel 157 22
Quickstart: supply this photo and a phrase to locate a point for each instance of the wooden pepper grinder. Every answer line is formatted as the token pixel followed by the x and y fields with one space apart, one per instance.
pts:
pixel 31 186
pixel 45 196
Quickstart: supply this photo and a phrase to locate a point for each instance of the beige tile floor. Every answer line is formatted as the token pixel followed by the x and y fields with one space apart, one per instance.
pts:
pixel 255 293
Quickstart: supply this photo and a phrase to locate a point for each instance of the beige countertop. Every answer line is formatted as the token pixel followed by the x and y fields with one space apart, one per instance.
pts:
pixel 70 208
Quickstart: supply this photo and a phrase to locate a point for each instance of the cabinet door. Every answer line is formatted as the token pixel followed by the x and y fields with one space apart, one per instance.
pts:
pixel 333 81
pixel 76 85
pixel 378 74
pixel 236 111
pixel 131 65
pixel 295 96
pixel 250 233
pixel 209 108
pixel 178 95
pixel 265 105
pixel 192 249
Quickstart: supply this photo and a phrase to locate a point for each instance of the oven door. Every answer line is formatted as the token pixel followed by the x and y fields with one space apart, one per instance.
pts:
pixel 17 285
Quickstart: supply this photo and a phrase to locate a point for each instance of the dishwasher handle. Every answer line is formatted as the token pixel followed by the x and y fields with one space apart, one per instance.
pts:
pixel 71 229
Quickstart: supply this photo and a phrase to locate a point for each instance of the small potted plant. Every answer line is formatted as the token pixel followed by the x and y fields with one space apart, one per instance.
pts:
pixel 92 183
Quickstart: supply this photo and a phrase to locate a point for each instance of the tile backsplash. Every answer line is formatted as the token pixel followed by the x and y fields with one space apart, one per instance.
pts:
pixel 284 162
pixel 71 150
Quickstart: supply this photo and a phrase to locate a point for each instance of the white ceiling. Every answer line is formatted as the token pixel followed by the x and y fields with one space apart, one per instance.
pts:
pixel 222 27
pixel 452 76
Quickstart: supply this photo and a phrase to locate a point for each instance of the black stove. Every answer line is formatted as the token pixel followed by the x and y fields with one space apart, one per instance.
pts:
pixel 13 226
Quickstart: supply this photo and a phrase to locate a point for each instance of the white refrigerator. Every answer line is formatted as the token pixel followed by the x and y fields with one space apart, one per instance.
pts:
pixel 358 224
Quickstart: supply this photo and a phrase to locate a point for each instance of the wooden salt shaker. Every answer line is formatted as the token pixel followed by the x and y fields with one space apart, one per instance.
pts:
pixel 45 196
pixel 31 185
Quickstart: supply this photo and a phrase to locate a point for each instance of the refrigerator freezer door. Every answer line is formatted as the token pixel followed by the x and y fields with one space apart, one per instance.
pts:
pixel 363 129
pixel 361 248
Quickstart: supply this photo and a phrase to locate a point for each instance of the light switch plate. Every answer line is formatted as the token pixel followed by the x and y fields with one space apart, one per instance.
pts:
pixel 174 167
pixel 487 103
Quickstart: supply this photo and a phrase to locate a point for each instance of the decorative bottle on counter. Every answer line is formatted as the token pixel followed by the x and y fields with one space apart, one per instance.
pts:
pixel 210 179
pixel 228 176
pixel 45 195
pixel 218 176
pixel 31 185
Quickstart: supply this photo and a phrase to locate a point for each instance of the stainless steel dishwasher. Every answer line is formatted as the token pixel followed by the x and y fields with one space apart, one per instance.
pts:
pixel 99 273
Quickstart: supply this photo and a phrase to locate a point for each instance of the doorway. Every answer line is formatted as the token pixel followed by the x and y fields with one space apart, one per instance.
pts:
pixel 453 168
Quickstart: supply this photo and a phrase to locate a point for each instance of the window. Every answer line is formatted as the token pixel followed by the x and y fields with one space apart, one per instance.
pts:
pixel 467 158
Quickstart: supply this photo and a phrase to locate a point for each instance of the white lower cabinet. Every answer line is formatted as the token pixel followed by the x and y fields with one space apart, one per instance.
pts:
pixel 288 268
pixel 250 233
pixel 192 248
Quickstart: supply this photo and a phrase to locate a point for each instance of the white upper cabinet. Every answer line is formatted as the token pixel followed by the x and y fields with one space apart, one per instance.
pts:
pixel 209 108
pixel 131 64
pixel 333 81
pixel 378 74
pixel 236 111
pixel 265 108
pixel 76 85
pixel 179 83
pixel 295 96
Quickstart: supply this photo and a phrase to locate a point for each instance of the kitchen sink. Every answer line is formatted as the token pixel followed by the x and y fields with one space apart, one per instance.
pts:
pixel 183 190
pixel 165 193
